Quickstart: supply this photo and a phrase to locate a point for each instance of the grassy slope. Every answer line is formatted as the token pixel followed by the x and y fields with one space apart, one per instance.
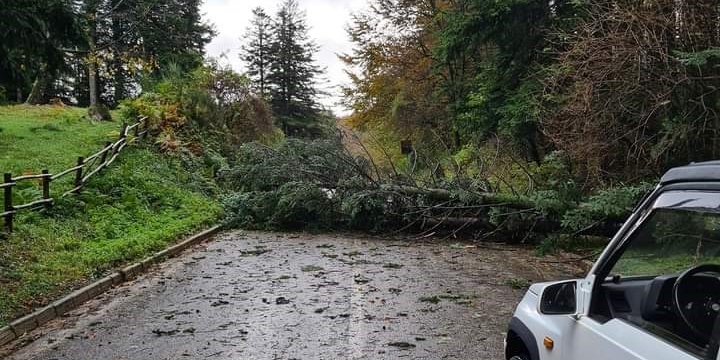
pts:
pixel 139 205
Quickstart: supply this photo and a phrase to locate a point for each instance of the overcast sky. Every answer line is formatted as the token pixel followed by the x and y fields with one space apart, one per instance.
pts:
pixel 327 19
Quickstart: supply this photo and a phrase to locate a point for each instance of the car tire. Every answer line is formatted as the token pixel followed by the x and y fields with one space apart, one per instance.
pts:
pixel 520 357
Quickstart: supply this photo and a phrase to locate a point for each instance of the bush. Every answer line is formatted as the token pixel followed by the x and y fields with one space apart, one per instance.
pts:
pixel 211 106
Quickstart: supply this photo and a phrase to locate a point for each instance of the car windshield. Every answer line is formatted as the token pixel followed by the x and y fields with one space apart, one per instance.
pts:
pixel 683 230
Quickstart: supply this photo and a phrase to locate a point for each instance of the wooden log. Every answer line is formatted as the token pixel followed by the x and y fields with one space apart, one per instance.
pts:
pixel 68 171
pixel 33 204
pixel 541 226
pixel 514 202
pixel 7 185
pixel 99 154
pixel 30 177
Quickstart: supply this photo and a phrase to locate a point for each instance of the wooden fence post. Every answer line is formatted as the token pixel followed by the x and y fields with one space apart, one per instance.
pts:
pixel 136 130
pixel 123 129
pixel 46 187
pixel 8 204
pixel 103 157
pixel 146 127
pixel 78 174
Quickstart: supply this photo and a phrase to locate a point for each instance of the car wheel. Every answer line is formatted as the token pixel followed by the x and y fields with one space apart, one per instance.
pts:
pixel 520 357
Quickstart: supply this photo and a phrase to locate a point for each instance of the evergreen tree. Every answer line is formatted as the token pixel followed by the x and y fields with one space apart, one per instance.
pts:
pixel 173 32
pixel 256 52
pixel 293 72
pixel 34 34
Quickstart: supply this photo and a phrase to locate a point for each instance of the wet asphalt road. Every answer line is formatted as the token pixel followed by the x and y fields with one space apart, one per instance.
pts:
pixel 273 296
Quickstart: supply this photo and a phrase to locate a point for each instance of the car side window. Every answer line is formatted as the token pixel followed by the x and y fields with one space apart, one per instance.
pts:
pixel 670 241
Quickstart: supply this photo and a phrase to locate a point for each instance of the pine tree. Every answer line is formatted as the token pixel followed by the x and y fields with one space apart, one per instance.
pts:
pixel 256 52
pixel 293 72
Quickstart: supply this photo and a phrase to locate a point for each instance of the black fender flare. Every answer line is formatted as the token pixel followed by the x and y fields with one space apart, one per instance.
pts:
pixel 527 337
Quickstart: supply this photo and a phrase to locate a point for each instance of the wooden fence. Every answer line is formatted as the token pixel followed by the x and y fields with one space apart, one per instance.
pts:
pixel 85 168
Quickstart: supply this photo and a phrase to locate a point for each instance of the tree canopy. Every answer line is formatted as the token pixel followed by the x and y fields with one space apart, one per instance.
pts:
pixel 92 51
pixel 621 89
pixel 280 58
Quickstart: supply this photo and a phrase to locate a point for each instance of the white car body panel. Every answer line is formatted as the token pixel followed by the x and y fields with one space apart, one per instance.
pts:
pixel 580 337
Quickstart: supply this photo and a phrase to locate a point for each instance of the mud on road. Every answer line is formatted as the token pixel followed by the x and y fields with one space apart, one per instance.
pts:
pixel 280 296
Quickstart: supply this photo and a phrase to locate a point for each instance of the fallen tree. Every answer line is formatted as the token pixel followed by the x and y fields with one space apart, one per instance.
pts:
pixel 320 184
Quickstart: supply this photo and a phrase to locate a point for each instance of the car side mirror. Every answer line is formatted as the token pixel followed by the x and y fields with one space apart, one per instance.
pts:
pixel 559 299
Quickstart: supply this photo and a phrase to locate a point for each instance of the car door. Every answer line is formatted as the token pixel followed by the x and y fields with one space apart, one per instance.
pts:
pixel 572 334
pixel 616 339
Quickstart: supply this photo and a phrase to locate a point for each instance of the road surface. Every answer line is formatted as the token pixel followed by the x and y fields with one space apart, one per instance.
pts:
pixel 274 296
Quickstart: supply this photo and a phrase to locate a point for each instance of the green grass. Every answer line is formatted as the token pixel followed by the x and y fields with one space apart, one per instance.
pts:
pixel 33 138
pixel 141 204
pixel 37 137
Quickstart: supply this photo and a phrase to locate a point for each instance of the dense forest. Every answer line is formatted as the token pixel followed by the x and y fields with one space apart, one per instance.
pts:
pixel 498 118
pixel 620 89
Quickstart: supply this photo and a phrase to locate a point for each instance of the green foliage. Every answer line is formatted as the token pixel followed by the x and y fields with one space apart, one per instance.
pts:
pixel 256 52
pixel 366 210
pixel 139 205
pixel 698 58
pixel 555 243
pixel 609 204
pixel 293 206
pixel 279 57
pixel 302 205
pixel 35 34
pixel 296 184
pixel 211 106
pixel 250 210
pixel 324 162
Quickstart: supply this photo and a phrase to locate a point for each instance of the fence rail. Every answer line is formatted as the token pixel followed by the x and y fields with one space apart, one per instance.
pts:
pixel 84 169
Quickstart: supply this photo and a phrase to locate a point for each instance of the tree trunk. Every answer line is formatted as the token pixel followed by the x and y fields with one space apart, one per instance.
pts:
pixel 119 83
pixel 92 79
pixel 96 111
pixel 37 94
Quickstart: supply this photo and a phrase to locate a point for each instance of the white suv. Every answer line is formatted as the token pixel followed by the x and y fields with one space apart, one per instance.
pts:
pixel 654 293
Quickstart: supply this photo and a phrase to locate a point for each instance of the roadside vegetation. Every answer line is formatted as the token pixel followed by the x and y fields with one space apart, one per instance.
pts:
pixel 139 205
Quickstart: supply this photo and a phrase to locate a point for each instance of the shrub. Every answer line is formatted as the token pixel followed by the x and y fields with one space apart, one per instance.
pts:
pixel 211 106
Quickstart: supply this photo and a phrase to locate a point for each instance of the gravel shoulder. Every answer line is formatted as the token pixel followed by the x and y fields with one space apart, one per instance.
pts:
pixel 248 295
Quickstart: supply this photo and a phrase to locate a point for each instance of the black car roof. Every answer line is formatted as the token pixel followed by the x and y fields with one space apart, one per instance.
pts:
pixel 703 171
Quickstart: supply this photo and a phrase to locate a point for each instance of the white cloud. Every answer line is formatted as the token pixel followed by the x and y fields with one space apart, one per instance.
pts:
pixel 327 19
